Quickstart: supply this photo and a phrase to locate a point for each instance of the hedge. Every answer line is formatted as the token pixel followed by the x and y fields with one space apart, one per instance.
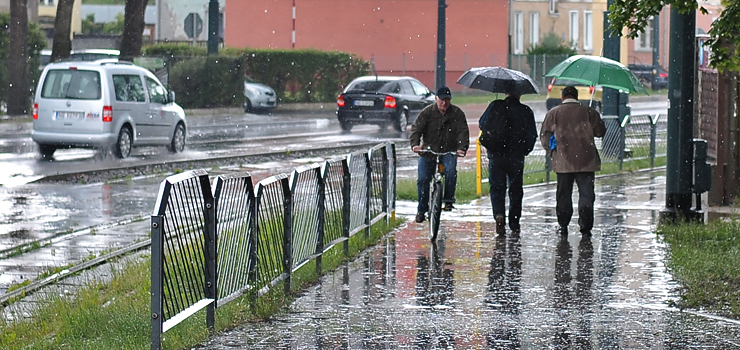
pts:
pixel 305 75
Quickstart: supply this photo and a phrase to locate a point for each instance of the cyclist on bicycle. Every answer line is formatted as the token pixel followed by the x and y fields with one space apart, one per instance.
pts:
pixel 440 127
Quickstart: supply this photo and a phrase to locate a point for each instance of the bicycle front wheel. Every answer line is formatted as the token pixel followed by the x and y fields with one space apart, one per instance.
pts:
pixel 435 209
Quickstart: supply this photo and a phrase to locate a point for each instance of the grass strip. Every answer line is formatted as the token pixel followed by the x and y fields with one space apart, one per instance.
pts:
pixel 703 259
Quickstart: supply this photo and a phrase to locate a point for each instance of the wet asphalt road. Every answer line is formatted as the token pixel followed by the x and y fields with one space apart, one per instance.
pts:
pixel 477 290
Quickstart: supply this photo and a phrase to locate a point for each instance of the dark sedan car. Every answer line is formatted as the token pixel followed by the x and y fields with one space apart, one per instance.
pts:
pixel 644 72
pixel 383 101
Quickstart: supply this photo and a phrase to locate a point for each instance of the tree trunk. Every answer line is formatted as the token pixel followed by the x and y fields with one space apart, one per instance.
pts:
pixel 18 58
pixel 62 27
pixel 133 29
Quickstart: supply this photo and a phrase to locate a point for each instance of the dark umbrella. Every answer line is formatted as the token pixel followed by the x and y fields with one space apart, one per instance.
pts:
pixel 498 80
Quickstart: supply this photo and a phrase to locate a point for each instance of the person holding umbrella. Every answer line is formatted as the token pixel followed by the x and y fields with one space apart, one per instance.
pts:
pixel 574 157
pixel 506 160
pixel 515 132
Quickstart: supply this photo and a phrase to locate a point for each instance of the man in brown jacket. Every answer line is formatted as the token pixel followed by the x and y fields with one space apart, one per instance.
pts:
pixel 440 127
pixel 574 157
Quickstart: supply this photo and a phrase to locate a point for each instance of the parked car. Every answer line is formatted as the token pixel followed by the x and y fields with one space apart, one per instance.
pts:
pixel 383 101
pixel 104 104
pixel 258 96
pixel 644 73
pixel 587 95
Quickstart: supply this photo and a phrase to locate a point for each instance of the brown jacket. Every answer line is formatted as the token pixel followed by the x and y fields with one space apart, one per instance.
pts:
pixel 575 127
pixel 441 133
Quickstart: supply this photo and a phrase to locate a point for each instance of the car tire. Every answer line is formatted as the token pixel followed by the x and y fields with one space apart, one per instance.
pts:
pixel 47 151
pixel 345 125
pixel 177 144
pixel 123 143
pixel 247 105
pixel 401 122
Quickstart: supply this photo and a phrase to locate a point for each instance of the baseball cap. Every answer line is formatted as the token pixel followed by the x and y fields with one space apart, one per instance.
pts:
pixel 444 92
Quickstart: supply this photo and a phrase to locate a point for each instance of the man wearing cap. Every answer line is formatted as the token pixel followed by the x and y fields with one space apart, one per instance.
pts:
pixel 440 127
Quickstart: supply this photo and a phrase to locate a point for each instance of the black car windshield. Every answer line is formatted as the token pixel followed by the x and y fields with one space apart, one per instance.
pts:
pixel 371 86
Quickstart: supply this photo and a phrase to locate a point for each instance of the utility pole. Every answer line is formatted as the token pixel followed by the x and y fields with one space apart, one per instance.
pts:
pixel 441 68
pixel 214 27
pixel 679 171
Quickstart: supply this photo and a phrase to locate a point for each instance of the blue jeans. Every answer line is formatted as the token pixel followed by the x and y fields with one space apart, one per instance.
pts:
pixel 426 173
pixel 503 171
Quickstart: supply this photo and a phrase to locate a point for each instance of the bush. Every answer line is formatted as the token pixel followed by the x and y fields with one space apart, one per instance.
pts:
pixel 202 81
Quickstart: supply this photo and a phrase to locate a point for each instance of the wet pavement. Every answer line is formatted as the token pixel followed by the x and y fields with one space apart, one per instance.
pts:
pixel 477 290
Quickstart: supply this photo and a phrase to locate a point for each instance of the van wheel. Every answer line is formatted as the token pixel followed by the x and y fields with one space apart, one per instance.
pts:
pixel 247 105
pixel 178 139
pixel 123 145
pixel 47 151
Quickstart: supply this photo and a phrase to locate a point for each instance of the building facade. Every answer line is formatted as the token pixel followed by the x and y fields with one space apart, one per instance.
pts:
pixel 398 37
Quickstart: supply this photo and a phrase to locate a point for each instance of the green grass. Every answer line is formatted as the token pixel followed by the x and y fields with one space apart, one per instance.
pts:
pixel 704 260
pixel 116 315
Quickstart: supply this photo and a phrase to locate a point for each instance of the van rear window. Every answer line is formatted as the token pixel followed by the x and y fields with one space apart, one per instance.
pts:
pixel 71 84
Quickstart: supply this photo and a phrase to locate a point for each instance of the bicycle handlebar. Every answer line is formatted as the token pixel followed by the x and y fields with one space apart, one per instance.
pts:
pixel 438 153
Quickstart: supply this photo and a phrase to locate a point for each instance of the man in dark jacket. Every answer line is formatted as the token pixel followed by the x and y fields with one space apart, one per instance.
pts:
pixel 506 164
pixel 440 127
pixel 574 157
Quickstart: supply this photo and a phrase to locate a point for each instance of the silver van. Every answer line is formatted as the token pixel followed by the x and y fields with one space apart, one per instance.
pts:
pixel 104 104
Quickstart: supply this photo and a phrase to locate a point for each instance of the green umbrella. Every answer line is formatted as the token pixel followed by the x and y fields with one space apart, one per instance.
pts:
pixel 596 70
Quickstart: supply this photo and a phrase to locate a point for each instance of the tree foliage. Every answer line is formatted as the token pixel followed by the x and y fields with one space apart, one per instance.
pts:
pixel 724 39
pixel 111 28
pixel 551 44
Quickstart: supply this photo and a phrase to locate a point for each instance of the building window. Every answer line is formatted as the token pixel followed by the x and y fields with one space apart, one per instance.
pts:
pixel 553 8
pixel 518 32
pixel 574 28
pixel 534 28
pixel 643 41
pixel 588 31
pixel 46 2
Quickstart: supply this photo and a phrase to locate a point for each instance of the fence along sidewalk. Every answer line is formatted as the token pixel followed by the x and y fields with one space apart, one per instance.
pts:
pixel 211 246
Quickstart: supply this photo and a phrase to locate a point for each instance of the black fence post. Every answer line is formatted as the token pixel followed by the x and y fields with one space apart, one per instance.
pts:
pixel 368 191
pixel 252 268
pixel 210 260
pixel 157 225
pixel 384 187
pixel 287 234
pixel 346 205
pixel 322 213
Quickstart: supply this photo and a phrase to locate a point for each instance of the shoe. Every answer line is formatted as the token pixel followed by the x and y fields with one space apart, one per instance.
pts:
pixel 514 226
pixel 500 224
pixel 563 231
pixel 420 217
pixel 448 207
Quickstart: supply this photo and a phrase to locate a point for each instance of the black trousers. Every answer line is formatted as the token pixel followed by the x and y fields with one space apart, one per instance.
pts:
pixel 586 198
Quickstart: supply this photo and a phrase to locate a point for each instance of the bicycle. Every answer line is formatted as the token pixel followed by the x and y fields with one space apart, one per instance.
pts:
pixel 435 194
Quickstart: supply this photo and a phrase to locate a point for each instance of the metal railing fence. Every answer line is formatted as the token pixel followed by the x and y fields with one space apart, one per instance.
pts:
pixel 637 137
pixel 210 247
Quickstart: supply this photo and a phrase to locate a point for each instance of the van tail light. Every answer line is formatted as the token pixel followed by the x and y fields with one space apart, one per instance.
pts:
pixel 340 101
pixel 549 86
pixel 390 102
pixel 663 75
pixel 35 111
pixel 107 114
pixel 591 90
